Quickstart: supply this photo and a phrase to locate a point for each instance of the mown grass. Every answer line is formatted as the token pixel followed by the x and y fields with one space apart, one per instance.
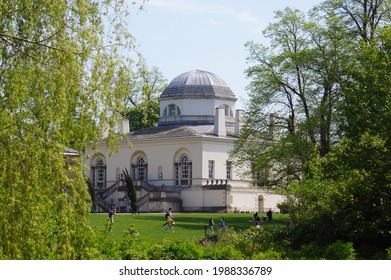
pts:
pixel 189 226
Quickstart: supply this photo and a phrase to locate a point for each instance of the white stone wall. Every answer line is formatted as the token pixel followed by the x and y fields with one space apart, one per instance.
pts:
pixel 247 200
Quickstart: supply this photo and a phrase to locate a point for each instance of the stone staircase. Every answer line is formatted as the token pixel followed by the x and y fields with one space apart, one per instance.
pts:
pixel 150 198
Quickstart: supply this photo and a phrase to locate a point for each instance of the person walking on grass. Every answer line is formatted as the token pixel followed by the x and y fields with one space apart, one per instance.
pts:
pixel 222 224
pixel 111 214
pixel 211 224
pixel 169 224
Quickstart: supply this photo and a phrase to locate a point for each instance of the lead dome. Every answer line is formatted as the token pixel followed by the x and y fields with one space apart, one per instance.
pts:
pixel 198 84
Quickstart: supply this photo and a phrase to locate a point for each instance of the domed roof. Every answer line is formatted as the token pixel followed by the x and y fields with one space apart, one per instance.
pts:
pixel 198 78
pixel 198 83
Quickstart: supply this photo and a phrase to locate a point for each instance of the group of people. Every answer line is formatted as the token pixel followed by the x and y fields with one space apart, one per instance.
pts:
pixel 266 218
pixel 212 224
pixel 170 223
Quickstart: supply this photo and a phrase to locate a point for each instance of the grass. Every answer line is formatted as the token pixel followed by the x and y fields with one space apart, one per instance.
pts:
pixel 189 226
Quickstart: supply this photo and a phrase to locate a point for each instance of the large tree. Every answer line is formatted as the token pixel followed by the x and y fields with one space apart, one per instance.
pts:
pixel 61 80
pixel 293 92
pixel 335 67
pixel 362 19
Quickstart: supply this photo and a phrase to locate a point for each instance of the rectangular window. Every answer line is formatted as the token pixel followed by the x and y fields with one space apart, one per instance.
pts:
pixel 100 173
pixel 141 172
pixel 211 169
pixel 229 170
pixel 172 110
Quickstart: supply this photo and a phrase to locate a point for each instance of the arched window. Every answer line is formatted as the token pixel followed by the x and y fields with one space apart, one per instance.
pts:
pixel 99 173
pixel 140 168
pixel 183 171
pixel 227 110
pixel 171 110
pixel 184 167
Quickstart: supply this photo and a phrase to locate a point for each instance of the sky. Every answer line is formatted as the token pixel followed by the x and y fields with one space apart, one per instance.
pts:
pixel 177 36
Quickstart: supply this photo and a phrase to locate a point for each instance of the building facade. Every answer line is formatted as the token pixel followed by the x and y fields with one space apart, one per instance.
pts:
pixel 183 162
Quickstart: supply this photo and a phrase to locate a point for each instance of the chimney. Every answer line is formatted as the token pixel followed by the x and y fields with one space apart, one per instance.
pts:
pixel 238 121
pixel 124 126
pixel 219 125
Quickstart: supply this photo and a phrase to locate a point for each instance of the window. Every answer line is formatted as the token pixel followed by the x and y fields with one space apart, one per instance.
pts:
pixel 211 167
pixel 229 170
pixel 99 174
pixel 183 172
pixel 171 110
pixel 140 168
pixel 227 110
pixel 184 168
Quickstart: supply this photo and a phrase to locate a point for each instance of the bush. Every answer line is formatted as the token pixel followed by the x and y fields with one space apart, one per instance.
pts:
pixel 181 250
pixel 223 252
pixel 340 250
pixel 310 251
pixel 268 255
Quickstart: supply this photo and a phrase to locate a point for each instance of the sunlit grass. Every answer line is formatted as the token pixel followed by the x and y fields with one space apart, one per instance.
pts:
pixel 189 226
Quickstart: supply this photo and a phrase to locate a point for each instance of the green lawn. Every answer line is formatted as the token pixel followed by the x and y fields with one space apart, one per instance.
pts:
pixel 189 226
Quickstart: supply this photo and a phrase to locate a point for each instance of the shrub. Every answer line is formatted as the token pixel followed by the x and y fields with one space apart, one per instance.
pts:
pixel 340 250
pixel 310 251
pixel 181 250
pixel 220 251
pixel 268 255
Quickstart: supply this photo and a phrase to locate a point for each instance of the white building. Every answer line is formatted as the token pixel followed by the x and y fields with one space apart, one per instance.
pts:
pixel 182 162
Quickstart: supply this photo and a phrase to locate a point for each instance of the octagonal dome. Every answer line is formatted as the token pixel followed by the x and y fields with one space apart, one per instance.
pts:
pixel 198 84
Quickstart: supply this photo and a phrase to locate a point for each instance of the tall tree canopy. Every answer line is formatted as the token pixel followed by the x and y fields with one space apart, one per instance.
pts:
pixel 293 93
pixel 62 78
pixel 325 82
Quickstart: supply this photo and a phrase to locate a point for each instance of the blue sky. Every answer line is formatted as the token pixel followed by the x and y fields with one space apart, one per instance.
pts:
pixel 182 35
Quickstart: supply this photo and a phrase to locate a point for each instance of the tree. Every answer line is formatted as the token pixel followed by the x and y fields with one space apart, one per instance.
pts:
pixel 131 191
pixel 61 73
pixel 328 81
pixel 142 104
pixel 361 18
pixel 346 195
pixel 293 92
